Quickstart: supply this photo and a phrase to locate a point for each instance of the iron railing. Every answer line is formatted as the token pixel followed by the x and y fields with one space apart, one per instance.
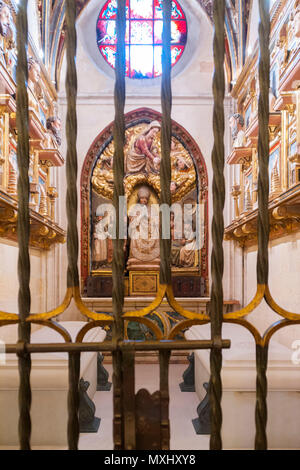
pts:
pixel 125 423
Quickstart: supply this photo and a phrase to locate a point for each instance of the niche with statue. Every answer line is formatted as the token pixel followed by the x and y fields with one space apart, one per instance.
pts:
pixel 140 211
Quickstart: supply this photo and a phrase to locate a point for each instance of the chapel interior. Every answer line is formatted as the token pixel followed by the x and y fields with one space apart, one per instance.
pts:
pixel 191 245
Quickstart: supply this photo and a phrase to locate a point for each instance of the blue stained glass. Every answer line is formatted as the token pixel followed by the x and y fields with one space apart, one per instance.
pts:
pixel 157 61
pixel 141 61
pixel 106 32
pixel 141 32
pixel 176 52
pixel 110 54
pixel 143 35
pixel 109 10
pixel 175 32
pixel 176 12
pixel 141 9
pixel 177 36
pixel 158 27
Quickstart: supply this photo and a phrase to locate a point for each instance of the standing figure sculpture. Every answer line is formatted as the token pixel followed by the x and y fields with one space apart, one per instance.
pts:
pixel 102 242
pixel 54 126
pixel 143 233
pixel 297 19
pixel 236 123
pixel 4 19
pixel 34 77
pixel 176 242
pixel 5 34
pixel 143 157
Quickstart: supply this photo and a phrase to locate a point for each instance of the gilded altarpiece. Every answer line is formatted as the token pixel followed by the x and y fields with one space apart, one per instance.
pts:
pixel 44 128
pixel 284 134
pixel 142 153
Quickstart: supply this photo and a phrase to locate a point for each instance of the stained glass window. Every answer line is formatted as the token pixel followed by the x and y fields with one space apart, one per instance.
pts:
pixel 143 35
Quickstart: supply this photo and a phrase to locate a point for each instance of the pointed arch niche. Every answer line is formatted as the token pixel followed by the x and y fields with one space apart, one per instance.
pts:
pixel 190 274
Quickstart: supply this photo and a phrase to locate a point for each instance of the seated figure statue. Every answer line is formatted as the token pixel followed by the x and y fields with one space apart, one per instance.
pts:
pixel 143 233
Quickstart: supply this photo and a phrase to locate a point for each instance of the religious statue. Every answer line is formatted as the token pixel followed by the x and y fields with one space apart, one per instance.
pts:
pixel 173 187
pixel 142 164
pixel 143 233
pixel 13 173
pixel 43 205
pixel 34 76
pixel 102 242
pixel 4 19
pixel 107 167
pixel 248 197
pixel 183 173
pixel 187 256
pixel 35 91
pixel 54 126
pixel 5 34
pixel 176 242
pixel 181 165
pixel 297 19
pixel 275 178
pixel 143 156
pixel 272 99
pixel 236 123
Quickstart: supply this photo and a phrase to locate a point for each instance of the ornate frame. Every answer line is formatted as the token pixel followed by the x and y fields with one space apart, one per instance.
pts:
pixel 105 135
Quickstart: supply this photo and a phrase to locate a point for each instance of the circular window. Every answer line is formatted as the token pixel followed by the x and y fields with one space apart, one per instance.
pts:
pixel 143 36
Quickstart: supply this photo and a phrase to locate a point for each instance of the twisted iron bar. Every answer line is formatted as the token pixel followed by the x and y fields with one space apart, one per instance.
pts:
pixel 166 129
pixel 118 169
pixel 118 262
pixel 217 257
pixel 24 299
pixel 263 214
pixel 164 362
pixel 261 397
pixel 71 136
pixel 263 143
pixel 73 400
pixel 71 206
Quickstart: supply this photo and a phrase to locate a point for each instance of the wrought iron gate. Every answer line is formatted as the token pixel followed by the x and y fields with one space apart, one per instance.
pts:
pixel 132 410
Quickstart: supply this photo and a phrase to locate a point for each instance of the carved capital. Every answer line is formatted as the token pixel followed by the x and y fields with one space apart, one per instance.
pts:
pixel 295 158
pixel 235 191
pixel 52 193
